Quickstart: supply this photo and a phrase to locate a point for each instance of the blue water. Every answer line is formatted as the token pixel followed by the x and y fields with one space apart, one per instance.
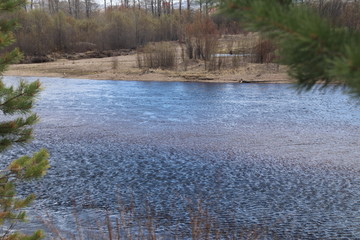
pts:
pixel 255 154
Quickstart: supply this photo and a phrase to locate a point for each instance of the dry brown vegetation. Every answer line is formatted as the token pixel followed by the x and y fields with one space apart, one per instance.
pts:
pixel 204 47
pixel 125 67
pixel 170 47
pixel 201 49
pixel 157 55
pixel 129 223
pixel 339 12
pixel 41 34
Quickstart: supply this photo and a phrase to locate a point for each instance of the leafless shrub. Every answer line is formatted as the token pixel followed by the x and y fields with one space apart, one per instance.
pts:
pixel 114 63
pixel 129 222
pixel 35 35
pixel 330 9
pixel 215 64
pixel 184 57
pixel 350 15
pixel 236 61
pixel 157 55
pixel 339 12
pixel 64 33
pixel 263 52
pixel 220 62
pixel 201 38
pixel 43 33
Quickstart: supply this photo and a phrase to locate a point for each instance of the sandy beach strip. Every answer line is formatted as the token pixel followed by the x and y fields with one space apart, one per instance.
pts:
pixel 124 68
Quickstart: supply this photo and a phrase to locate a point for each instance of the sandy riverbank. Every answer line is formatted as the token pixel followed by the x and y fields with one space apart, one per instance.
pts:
pixel 124 68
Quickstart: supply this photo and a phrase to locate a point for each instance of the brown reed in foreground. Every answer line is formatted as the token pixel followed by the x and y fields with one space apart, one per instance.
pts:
pixel 127 224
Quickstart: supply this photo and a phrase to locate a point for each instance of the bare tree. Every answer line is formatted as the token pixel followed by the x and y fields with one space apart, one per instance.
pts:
pixel 87 8
pixel 56 5
pixel 152 7
pixel 51 5
pixel 77 8
pixel 207 2
pixel 70 9
pixel 159 7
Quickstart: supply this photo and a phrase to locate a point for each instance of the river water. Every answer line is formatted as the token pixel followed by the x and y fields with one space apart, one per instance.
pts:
pixel 254 154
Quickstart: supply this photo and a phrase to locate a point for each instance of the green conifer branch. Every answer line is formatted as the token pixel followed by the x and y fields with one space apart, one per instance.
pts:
pixel 16 101
pixel 11 5
pixel 314 49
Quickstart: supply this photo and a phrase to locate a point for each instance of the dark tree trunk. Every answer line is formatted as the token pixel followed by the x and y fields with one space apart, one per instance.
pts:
pixel 70 10
pixel 152 7
pixel 207 7
pixel 77 8
pixel 159 8
pixel 87 8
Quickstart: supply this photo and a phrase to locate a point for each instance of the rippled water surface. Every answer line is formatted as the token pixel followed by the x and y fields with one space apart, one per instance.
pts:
pixel 255 154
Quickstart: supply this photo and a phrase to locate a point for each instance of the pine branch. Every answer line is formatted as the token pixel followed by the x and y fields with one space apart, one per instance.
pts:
pixel 11 5
pixel 16 101
pixel 314 50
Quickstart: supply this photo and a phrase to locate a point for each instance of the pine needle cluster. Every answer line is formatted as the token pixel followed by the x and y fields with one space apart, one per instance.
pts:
pixel 16 101
pixel 315 50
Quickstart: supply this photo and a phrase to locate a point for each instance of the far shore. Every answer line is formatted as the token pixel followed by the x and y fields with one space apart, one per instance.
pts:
pixel 124 68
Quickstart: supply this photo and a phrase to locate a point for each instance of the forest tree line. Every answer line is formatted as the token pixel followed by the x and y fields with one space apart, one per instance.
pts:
pixel 86 8
pixel 43 31
pixel 48 26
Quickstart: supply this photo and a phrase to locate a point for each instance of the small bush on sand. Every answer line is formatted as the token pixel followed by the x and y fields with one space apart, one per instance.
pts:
pixel 201 38
pixel 263 52
pixel 157 55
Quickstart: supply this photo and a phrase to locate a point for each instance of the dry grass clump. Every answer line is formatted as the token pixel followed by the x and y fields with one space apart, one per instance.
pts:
pixel 263 52
pixel 235 51
pixel 222 62
pixel 129 224
pixel 157 55
pixel 201 38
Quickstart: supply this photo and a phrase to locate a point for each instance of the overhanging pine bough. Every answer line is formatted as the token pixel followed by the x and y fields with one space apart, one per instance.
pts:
pixel 314 50
pixel 16 101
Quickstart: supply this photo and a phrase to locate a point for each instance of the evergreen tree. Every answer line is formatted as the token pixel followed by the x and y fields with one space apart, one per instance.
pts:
pixel 315 50
pixel 15 128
